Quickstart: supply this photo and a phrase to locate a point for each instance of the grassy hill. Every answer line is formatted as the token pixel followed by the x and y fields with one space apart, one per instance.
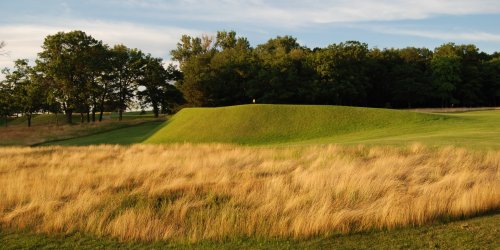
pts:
pixel 265 124
pixel 312 124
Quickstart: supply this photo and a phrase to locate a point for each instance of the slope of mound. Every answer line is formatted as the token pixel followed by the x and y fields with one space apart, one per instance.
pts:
pixel 264 124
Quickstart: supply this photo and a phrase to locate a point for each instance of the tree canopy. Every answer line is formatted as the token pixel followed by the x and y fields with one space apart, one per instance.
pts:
pixel 227 71
pixel 78 73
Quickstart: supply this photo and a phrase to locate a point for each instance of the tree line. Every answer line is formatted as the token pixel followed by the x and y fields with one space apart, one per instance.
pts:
pixel 76 73
pixel 226 70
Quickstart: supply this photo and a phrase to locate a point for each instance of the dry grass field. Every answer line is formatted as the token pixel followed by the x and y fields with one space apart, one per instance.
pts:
pixel 214 191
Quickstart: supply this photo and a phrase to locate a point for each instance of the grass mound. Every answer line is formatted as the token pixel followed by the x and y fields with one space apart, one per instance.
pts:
pixel 265 124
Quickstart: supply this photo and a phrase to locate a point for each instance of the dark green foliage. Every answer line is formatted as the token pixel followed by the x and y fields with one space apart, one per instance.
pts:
pixel 7 99
pixel 24 91
pixel 282 73
pixel 127 67
pixel 491 81
pixel 69 59
pixel 157 90
pixel 342 70
pixel 76 73
pixel 228 71
pixel 214 72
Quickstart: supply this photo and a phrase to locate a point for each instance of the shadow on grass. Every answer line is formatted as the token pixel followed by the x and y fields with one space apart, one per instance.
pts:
pixel 131 134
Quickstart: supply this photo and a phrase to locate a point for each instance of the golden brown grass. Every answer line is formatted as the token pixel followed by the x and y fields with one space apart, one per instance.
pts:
pixel 193 192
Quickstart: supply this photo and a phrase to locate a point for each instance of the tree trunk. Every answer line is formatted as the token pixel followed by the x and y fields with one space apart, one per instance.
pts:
pixel 94 106
pixel 101 109
pixel 29 119
pixel 156 110
pixel 101 102
pixel 69 116
pixel 100 115
pixel 81 117
pixel 88 115
pixel 120 116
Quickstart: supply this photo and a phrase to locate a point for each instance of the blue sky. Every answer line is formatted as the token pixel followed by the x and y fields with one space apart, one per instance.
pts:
pixel 155 26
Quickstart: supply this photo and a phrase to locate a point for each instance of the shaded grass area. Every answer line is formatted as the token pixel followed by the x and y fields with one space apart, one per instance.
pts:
pixel 60 119
pixel 129 135
pixel 477 233
pixel 39 120
pixel 306 124
pixel 21 135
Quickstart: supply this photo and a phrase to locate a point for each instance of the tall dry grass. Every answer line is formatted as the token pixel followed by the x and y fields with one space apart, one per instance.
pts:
pixel 193 192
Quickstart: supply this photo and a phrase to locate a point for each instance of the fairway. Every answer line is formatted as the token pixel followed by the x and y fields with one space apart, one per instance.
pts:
pixel 124 136
pixel 307 124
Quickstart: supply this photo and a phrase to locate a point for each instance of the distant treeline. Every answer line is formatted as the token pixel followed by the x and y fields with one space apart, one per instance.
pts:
pixel 226 70
pixel 77 73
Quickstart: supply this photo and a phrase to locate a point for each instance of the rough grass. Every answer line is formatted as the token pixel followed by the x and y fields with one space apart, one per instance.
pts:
pixel 306 124
pixel 214 192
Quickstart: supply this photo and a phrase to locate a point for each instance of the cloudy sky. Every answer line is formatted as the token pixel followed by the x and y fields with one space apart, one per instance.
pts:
pixel 155 26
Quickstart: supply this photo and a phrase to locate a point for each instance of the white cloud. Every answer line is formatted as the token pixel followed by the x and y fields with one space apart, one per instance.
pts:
pixel 25 41
pixel 441 35
pixel 302 13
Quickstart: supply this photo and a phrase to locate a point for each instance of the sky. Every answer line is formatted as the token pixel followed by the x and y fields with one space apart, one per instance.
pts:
pixel 155 26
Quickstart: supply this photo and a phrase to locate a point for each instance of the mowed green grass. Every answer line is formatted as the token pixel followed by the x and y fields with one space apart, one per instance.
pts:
pixel 476 233
pixel 123 136
pixel 477 129
pixel 309 124
pixel 267 124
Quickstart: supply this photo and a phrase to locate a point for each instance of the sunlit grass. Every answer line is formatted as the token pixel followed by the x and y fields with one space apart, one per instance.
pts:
pixel 308 124
pixel 199 192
